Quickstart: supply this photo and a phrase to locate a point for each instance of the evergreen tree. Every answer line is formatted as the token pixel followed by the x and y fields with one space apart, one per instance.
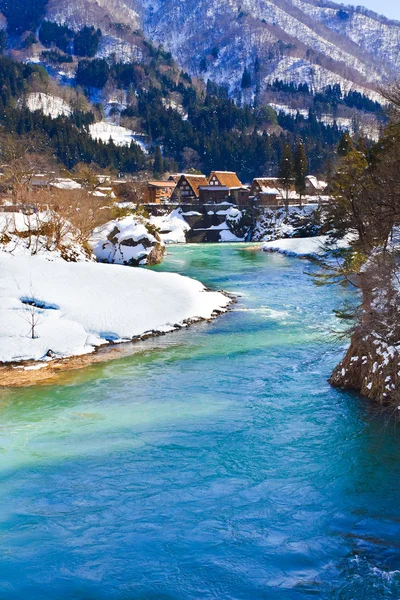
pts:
pixel 345 145
pixel 300 169
pixel 87 41
pixel 59 35
pixel 246 79
pixel 3 41
pixel 286 172
pixel 22 15
pixel 158 162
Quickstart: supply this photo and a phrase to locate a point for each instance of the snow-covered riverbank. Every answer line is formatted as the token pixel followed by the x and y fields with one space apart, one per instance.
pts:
pixel 309 247
pixel 65 309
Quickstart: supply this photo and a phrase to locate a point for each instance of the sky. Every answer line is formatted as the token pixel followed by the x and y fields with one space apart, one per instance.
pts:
pixel 389 8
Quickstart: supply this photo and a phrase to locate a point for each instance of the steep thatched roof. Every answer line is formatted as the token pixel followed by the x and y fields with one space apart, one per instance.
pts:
pixel 227 178
pixel 195 181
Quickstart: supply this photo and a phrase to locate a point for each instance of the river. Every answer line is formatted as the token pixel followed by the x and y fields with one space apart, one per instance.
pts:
pixel 214 463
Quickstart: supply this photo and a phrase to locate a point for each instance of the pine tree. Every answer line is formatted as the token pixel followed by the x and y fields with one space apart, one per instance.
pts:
pixel 158 162
pixel 300 170
pixel 286 172
pixel 345 145
pixel 246 79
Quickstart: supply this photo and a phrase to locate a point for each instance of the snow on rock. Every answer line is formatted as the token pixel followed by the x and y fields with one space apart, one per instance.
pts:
pixel 127 241
pixel 172 227
pixel 52 106
pixel 121 136
pixel 77 307
pixel 299 221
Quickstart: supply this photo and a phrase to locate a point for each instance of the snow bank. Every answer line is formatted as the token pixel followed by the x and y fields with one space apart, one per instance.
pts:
pixel 228 236
pixel 302 247
pixel 79 306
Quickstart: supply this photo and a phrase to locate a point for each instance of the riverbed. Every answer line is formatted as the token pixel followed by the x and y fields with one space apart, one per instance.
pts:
pixel 215 462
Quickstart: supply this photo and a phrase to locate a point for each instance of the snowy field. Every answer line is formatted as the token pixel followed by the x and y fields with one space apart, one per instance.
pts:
pixel 68 309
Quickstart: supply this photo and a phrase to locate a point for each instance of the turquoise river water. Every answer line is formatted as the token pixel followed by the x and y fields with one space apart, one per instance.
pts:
pixel 214 463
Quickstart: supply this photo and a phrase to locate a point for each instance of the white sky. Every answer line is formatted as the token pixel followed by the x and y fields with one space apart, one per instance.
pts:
pixel 389 8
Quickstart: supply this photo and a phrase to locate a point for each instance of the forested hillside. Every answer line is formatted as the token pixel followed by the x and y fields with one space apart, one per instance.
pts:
pixel 162 109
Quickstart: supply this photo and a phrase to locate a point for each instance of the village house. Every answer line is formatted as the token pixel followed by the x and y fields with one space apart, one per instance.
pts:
pixel 224 186
pixel 240 195
pixel 38 179
pixel 175 177
pixel 228 179
pixel 266 191
pixel 158 192
pixel 314 187
pixel 188 188
pixel 213 194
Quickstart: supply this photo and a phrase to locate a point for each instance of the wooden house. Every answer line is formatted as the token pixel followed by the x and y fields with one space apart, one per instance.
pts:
pixel 159 191
pixel 240 196
pixel 188 188
pixel 314 187
pixel 213 194
pixel 266 191
pixel 228 179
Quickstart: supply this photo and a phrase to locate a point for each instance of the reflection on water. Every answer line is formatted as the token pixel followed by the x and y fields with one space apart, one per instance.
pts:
pixel 215 462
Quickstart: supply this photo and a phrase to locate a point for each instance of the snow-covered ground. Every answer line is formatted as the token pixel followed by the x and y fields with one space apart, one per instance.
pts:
pixel 121 136
pixel 77 307
pixel 304 247
pixel 52 106
pixel 41 233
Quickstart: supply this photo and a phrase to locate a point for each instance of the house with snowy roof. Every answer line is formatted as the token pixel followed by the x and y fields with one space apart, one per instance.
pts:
pixel 266 190
pixel 314 187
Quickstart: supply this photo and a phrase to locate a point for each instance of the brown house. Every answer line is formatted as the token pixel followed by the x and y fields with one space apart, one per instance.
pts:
pixel 159 191
pixel 228 179
pixel 188 188
pixel 314 187
pixel 175 177
pixel 213 194
pixel 240 195
pixel 266 190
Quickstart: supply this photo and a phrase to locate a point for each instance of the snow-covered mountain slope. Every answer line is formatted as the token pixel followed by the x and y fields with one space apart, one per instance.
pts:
pixel 50 105
pixel 317 42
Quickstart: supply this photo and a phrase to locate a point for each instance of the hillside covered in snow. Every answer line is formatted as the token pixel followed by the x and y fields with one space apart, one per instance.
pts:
pixel 304 41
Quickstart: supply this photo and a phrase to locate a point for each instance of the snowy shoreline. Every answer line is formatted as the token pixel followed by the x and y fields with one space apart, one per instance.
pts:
pixel 57 310
pixel 310 247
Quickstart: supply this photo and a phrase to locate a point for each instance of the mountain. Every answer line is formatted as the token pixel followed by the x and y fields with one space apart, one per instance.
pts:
pixel 276 76
pixel 317 42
